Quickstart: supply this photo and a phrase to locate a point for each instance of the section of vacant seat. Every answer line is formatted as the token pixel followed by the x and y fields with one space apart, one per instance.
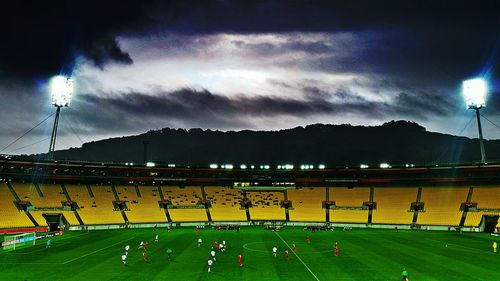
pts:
pixel 393 205
pixel 307 204
pixel 10 216
pixel 225 203
pixel 50 198
pixel 187 201
pixel 442 205
pixel 486 198
pixel 98 209
pixel 349 197
pixel 142 209
pixel 266 205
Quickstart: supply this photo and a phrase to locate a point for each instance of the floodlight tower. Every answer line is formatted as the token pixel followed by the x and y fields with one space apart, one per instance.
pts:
pixel 474 91
pixel 61 88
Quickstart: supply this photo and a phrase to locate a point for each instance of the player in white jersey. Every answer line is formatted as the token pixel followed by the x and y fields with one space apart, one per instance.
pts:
pixel 199 242
pixel 124 259
pixel 141 246
pixel 221 247
pixel 156 238
pixel 224 243
pixel 210 262
pixel 212 253
pixel 126 249
pixel 275 250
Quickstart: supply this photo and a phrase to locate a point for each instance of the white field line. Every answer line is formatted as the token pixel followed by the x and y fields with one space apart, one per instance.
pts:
pixel 96 251
pixel 297 256
pixel 464 247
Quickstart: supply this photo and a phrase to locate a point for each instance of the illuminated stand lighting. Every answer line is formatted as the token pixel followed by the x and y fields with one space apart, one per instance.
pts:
pixel 474 91
pixel 61 88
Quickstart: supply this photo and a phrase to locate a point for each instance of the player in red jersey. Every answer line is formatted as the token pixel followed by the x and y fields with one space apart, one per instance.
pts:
pixel 336 249
pixel 196 231
pixel 240 259
pixel 144 256
pixel 146 245
pixel 287 256
pixel 216 245
pixel 308 239
pixel 294 248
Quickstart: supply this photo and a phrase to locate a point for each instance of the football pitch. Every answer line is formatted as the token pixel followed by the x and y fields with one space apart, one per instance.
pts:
pixel 364 254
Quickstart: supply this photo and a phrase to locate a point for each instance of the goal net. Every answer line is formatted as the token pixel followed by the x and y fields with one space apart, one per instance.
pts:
pixel 11 242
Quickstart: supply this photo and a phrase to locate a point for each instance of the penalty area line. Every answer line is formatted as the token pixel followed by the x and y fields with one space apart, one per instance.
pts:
pixel 96 251
pixel 314 275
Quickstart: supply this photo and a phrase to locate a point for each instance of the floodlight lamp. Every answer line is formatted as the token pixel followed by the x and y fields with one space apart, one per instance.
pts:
pixel 474 91
pixel 150 164
pixel 61 89
pixel 214 166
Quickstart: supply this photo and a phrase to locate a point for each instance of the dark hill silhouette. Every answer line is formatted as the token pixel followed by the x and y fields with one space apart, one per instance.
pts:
pixel 395 142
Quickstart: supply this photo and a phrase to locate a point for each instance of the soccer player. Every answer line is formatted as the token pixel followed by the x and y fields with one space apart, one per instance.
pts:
pixel 210 262
pixel 124 259
pixel 196 231
pixel 336 249
pixel 294 248
pixel 141 245
pixel 146 245
pixel 224 243
pixel 216 245
pixel 127 247
pixel 212 253
pixel 308 239
pixel 405 275
pixel 275 250
pixel 49 242
pixel 156 238
pixel 221 247
pixel 287 255
pixel 144 256
pixel 494 247
pixel 169 252
pixel 240 259
pixel 199 242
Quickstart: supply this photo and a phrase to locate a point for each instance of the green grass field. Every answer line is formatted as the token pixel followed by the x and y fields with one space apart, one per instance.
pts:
pixel 364 255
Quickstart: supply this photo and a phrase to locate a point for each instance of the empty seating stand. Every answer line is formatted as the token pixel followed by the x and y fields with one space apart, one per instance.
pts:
pixel 393 205
pixel 266 205
pixel 307 204
pixel 345 197
pixel 225 203
pixel 486 198
pixel 185 203
pixel 442 205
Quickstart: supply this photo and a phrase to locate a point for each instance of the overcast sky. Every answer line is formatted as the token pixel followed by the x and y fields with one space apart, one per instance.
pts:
pixel 230 65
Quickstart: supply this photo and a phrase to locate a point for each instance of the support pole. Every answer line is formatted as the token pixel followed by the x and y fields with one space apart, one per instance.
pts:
pixel 54 133
pixel 481 142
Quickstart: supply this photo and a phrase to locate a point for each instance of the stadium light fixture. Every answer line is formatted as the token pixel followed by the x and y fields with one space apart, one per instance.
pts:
pixel 171 165
pixel 364 166
pixel 384 165
pixel 214 166
pixel 150 164
pixel 321 167
pixel 227 166
pixel 61 88
pixel 474 92
pixel 243 166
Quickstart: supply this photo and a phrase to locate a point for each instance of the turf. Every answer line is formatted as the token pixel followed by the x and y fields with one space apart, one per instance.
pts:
pixel 364 255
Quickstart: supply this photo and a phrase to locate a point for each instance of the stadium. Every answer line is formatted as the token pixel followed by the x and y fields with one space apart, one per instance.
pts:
pixel 249 140
pixel 392 218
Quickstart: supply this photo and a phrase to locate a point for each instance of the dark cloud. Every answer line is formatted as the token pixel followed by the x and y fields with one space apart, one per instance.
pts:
pixel 197 108
pixel 41 38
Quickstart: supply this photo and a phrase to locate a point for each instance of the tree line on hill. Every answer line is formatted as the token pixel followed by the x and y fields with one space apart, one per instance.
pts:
pixel 395 142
